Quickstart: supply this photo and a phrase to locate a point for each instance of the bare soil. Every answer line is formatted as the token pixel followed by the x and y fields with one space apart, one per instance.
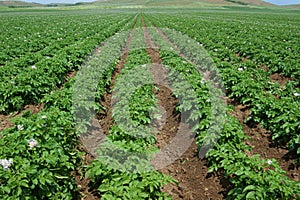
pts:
pixel 86 189
pixel 5 120
pixel 282 80
pixel 105 118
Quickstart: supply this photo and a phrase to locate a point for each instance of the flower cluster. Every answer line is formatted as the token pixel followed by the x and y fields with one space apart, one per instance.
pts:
pixel 6 163
pixel 20 127
pixel 32 143
pixel 242 68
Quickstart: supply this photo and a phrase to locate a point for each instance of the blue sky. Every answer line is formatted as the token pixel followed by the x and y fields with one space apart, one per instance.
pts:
pixel 283 2
pixel 278 2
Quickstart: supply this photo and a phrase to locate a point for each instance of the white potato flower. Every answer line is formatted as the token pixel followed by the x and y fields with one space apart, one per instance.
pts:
pixel 6 163
pixel 32 143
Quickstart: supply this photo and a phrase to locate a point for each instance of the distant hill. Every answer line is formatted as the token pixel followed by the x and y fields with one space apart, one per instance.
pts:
pixel 188 2
pixel 147 3
pixel 239 2
pixel 257 2
pixel 18 4
pixel 296 6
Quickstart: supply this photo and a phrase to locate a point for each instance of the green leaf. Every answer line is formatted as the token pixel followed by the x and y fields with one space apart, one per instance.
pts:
pixel 249 187
pixel 251 196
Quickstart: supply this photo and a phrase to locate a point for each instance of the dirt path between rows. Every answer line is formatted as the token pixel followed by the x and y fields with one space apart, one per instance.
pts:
pixel 5 120
pixel 191 173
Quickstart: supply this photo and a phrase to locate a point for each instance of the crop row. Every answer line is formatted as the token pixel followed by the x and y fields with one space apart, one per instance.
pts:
pixel 250 176
pixel 26 81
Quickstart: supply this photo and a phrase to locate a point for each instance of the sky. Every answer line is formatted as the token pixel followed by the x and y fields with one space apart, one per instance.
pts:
pixel 283 2
pixel 278 2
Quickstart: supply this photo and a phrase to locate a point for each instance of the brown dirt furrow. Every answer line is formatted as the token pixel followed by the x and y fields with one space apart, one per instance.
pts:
pixel 191 173
pixel 106 120
pixel 5 120
pixel 277 77
pixel 282 80
pixel 165 37
pixel 86 190
pixel 70 75
pixel 194 181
